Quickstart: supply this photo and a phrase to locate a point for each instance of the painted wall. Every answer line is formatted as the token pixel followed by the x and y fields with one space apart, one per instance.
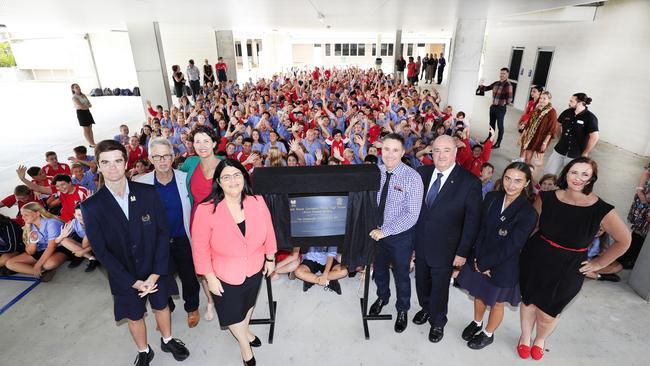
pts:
pixel 114 59
pixel 606 58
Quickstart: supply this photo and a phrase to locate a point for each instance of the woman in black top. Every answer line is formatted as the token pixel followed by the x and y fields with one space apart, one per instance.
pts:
pixel 553 263
pixel 85 118
pixel 179 81
pixel 491 275
pixel 208 74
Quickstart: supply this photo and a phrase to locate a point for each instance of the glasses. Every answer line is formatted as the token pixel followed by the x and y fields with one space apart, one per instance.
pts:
pixel 229 177
pixel 161 157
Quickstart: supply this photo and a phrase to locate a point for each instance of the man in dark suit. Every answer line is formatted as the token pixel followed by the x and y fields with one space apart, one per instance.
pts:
pixel 126 224
pixel 445 232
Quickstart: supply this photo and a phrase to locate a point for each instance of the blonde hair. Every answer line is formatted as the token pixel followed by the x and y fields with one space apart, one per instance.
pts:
pixel 35 207
pixel 275 157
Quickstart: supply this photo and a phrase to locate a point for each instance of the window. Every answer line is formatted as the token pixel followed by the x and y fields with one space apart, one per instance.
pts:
pixel 409 49
pixel 337 49
pixel 362 49
pixel 238 49
pixel 346 49
pixel 328 49
pixel 353 49
pixel 249 49
pixel 374 49
pixel 390 49
pixel 384 49
pixel 421 45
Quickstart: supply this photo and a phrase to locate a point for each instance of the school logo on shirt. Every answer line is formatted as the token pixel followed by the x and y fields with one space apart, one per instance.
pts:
pixel 146 218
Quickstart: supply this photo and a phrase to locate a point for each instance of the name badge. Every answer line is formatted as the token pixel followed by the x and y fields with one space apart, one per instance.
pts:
pixel 146 218
pixel 503 232
pixel 580 122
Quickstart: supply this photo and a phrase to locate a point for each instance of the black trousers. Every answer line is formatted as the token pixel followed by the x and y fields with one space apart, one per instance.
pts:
pixel 195 85
pixel 441 69
pixel 395 250
pixel 432 287
pixel 181 262
pixel 497 115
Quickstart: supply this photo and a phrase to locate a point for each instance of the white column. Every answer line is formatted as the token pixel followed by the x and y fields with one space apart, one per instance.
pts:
pixel 398 51
pixel 465 57
pixel 254 50
pixel 149 60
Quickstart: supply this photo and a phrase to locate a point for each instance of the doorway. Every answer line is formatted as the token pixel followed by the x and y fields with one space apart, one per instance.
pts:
pixel 515 65
pixel 542 66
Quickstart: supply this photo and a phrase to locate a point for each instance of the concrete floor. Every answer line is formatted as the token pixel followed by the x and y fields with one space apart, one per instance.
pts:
pixel 69 321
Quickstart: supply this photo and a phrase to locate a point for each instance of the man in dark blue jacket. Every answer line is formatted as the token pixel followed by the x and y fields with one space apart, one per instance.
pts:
pixel 445 232
pixel 126 224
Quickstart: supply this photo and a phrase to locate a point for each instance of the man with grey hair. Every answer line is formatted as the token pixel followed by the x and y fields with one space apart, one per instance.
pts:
pixel 171 187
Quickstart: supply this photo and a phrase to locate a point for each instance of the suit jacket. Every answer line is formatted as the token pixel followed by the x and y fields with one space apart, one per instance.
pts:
pixel 449 227
pixel 502 236
pixel 130 249
pixel 219 247
pixel 182 190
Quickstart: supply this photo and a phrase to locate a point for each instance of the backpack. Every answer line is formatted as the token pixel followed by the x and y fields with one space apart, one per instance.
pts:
pixel 108 91
pixel 126 92
pixel 136 91
pixel 96 92
pixel 11 237
pixel 117 91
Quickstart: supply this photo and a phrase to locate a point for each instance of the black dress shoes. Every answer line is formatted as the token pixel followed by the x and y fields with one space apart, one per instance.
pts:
pixel 144 358
pixel 436 334
pixel 256 342
pixel 470 330
pixel 334 286
pixel 401 322
pixel 306 286
pixel 421 317
pixel 481 340
pixel 376 307
pixel 250 362
pixel 176 348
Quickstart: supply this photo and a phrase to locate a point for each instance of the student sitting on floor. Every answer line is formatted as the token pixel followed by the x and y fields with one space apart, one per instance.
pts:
pixel 598 246
pixel 73 237
pixel 323 260
pixel 286 262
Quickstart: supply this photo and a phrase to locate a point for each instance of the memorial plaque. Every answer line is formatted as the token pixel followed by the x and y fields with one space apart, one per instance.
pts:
pixel 318 216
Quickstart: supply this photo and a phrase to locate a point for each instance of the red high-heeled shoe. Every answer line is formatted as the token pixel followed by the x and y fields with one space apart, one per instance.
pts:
pixel 537 353
pixel 523 351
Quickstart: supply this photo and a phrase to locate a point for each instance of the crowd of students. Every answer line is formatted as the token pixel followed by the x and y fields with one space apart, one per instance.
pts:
pixel 337 117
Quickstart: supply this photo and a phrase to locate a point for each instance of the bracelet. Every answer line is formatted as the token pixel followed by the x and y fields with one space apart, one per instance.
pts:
pixel 269 260
pixel 640 188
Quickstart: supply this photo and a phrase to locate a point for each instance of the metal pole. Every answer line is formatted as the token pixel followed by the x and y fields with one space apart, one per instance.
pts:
pixel 92 57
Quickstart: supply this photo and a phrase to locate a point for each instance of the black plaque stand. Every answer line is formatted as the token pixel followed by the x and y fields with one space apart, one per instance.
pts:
pixel 359 182
pixel 364 305
pixel 273 305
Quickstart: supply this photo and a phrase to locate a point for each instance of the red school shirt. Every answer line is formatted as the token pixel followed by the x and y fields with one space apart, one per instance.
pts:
pixel 63 168
pixel 11 200
pixel 340 145
pixel 70 200
pixel 135 155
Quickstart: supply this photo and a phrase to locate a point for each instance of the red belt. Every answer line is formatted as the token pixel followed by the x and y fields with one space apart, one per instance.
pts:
pixel 561 247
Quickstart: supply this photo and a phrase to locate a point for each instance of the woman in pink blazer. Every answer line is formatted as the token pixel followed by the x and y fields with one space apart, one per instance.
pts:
pixel 233 245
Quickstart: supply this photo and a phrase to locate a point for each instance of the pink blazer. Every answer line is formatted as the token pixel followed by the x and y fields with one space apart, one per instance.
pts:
pixel 219 247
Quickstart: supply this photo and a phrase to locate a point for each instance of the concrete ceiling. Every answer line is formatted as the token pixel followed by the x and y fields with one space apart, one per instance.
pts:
pixel 431 16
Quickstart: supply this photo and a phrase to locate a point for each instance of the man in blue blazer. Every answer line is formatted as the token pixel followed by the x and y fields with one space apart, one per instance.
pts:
pixel 126 225
pixel 446 229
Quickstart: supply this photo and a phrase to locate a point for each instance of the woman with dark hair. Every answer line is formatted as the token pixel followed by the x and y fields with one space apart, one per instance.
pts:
pixel 491 275
pixel 233 246
pixel 85 118
pixel 554 261
pixel 535 92
pixel 179 81
pixel 208 74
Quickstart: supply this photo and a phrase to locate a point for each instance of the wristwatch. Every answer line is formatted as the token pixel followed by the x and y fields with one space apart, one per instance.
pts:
pixel 269 260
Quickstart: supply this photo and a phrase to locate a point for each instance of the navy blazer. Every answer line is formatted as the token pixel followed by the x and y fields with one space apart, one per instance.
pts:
pixel 502 236
pixel 449 227
pixel 132 249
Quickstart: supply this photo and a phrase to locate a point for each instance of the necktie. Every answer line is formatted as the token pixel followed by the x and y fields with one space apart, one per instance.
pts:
pixel 433 191
pixel 382 198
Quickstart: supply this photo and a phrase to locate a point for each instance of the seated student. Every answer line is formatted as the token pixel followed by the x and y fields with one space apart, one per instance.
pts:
pixel 22 195
pixel 42 255
pixel 73 237
pixel 548 182
pixel 140 168
pixel 53 166
pixel 598 246
pixel 337 141
pixel 323 260
pixel 123 137
pixel 69 194
pixel 81 157
pixel 479 154
pixel 286 262
pixel 37 176
pixel 42 185
pixel 83 178
pixel 487 170
pixel 11 242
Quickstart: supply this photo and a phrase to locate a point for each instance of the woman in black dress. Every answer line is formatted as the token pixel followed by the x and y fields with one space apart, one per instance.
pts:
pixel 491 275
pixel 554 261
pixel 179 81
pixel 85 118
pixel 208 73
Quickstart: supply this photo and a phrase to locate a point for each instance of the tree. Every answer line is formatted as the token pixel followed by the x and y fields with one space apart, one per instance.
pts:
pixel 6 56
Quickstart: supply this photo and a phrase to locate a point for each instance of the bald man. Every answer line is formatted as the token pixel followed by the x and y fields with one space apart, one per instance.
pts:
pixel 445 232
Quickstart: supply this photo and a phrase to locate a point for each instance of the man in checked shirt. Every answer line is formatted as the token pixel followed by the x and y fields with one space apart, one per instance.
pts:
pixel 399 200
pixel 501 96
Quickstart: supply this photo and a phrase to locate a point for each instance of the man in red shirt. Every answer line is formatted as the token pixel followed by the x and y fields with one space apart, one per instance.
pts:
pixel 337 141
pixel 244 156
pixel 53 166
pixel 315 74
pixel 69 194
pixel 22 195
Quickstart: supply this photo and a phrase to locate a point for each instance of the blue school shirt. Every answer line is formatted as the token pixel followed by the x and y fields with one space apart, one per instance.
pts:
pixel 49 230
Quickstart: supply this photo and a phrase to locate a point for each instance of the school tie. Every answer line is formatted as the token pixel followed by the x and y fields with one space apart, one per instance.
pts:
pixel 433 191
pixel 382 199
